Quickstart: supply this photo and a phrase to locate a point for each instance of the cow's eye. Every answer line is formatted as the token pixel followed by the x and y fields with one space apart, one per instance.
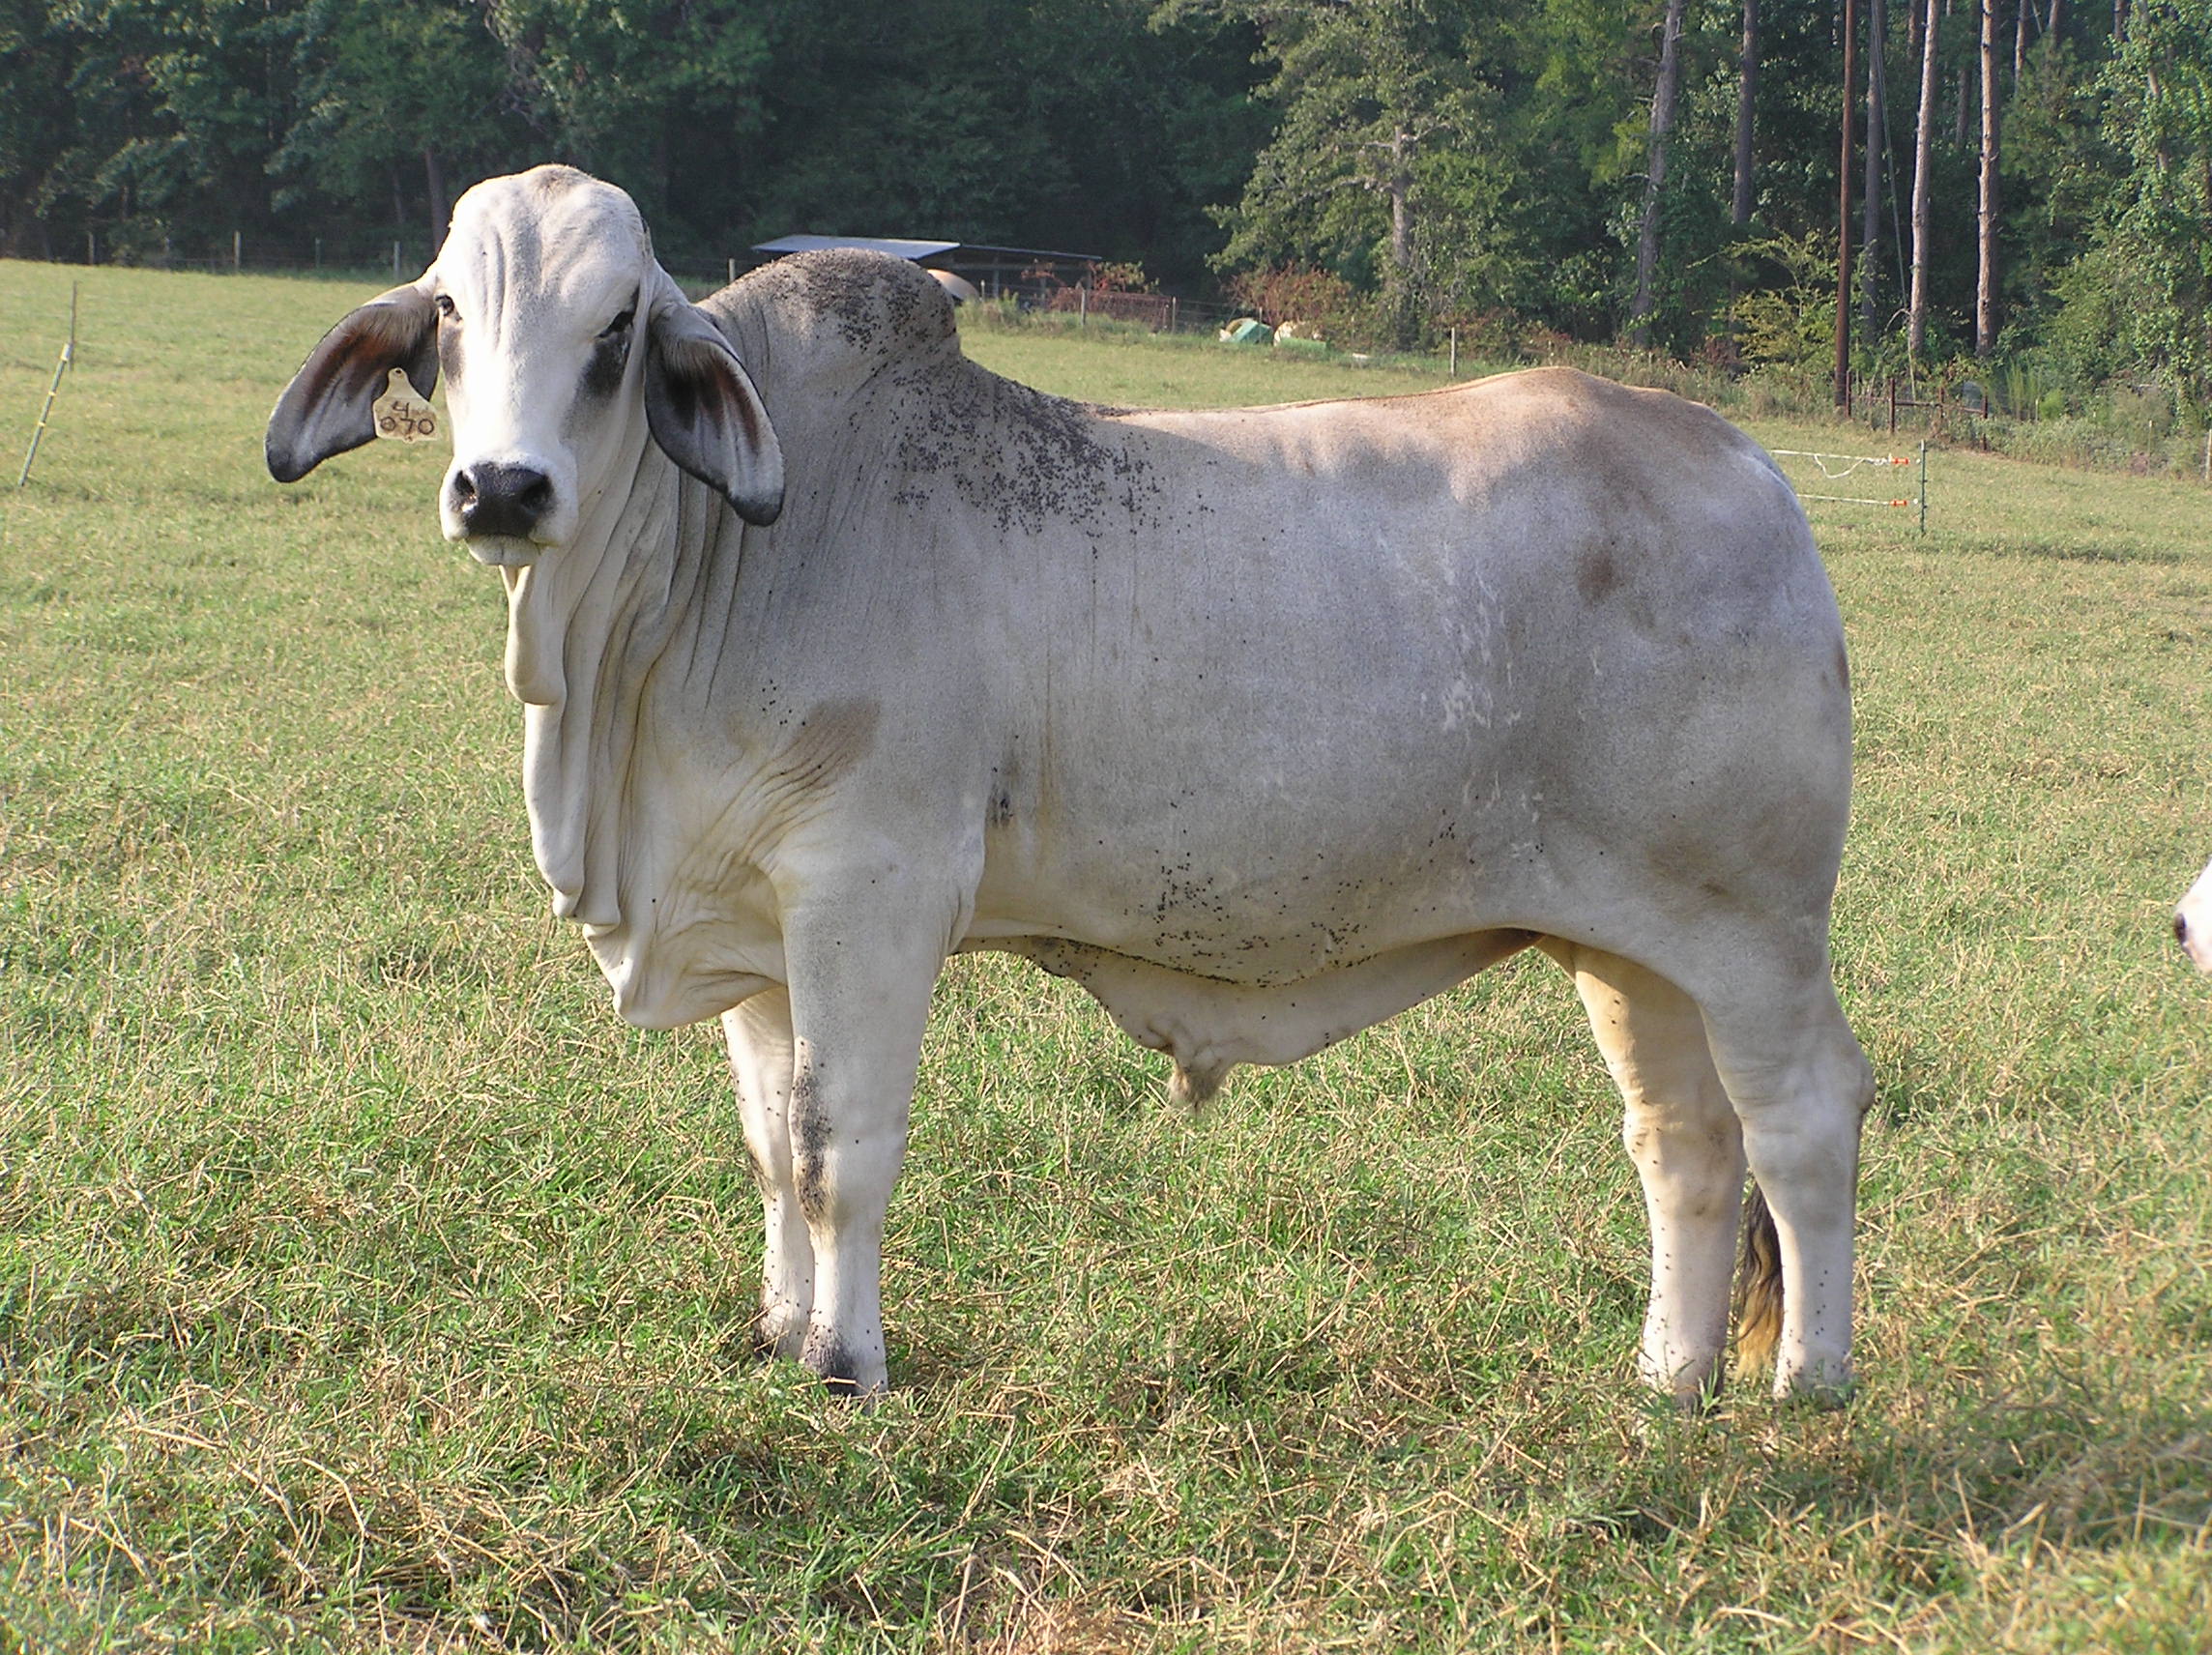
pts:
pixel 446 308
pixel 619 325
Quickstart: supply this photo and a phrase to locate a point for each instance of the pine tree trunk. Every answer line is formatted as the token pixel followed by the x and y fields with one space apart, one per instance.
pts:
pixel 1870 222
pixel 1960 108
pixel 1404 327
pixel 1661 125
pixel 1401 206
pixel 434 187
pixel 1923 155
pixel 1746 100
pixel 1985 280
pixel 1843 385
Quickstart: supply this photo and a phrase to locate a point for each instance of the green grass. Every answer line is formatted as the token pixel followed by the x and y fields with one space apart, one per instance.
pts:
pixel 366 1284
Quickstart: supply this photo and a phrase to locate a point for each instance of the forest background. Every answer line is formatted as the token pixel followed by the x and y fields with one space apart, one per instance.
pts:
pixel 1656 172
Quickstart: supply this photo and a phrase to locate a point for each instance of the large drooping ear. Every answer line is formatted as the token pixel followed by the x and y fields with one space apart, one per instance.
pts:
pixel 325 410
pixel 705 414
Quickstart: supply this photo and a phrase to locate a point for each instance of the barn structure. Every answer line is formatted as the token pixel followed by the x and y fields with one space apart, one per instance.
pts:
pixel 1031 272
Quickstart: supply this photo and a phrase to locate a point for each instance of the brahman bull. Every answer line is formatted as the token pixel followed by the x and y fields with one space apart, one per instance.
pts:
pixel 839 654
pixel 2193 921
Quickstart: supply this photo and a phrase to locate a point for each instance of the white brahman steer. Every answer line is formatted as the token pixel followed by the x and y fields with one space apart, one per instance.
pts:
pixel 2193 921
pixel 839 654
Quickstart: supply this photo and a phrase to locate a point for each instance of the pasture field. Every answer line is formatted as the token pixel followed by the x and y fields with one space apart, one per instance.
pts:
pixel 364 1284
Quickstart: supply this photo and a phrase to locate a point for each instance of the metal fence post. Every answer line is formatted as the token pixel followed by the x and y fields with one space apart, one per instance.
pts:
pixel 69 355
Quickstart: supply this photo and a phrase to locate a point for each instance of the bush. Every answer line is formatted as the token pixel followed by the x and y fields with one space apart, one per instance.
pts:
pixel 1327 303
pixel 1790 324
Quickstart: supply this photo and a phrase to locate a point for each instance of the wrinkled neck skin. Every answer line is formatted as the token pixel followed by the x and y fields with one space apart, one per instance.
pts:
pixel 584 623
pixel 600 629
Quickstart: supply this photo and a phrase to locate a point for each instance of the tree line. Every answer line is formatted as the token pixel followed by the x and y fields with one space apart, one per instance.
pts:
pixel 2027 181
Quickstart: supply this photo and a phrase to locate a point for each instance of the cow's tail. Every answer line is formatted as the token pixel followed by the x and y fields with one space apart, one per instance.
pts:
pixel 1758 1292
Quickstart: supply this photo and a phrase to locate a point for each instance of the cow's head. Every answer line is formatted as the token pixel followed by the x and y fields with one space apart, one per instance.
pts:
pixel 2193 921
pixel 555 329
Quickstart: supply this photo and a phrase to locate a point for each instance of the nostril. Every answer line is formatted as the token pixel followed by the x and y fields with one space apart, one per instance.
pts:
pixel 2181 929
pixel 497 499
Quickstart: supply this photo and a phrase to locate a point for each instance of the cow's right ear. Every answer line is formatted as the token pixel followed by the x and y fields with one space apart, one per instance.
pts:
pixel 704 411
pixel 326 409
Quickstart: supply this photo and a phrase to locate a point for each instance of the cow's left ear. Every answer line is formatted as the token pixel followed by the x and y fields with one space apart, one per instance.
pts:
pixel 706 415
pixel 327 408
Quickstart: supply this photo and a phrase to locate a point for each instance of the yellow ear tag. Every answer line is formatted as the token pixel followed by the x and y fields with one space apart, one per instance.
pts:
pixel 402 416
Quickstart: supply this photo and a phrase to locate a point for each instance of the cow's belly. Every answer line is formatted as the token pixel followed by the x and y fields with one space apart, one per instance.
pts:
pixel 1209 1026
pixel 1276 877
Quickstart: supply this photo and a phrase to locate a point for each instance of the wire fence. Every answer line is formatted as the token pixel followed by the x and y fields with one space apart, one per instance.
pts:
pixel 1940 410
pixel 1836 468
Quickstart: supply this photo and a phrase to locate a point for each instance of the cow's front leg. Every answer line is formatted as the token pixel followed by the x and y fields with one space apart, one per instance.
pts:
pixel 859 973
pixel 759 1035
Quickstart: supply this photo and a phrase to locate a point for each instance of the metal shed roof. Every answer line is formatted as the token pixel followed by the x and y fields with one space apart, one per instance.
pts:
pixel 900 247
pixel 895 246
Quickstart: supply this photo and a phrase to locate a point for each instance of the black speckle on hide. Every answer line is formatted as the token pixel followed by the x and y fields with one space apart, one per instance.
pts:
pixel 1016 456
pixel 829 1361
pixel 1022 457
pixel 761 1344
pixel 809 1144
pixel 877 303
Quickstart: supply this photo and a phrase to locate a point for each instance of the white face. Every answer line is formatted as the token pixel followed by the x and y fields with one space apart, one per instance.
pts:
pixel 563 346
pixel 543 293
pixel 2193 921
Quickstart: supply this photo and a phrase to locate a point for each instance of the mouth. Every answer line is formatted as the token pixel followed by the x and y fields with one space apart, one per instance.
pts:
pixel 501 551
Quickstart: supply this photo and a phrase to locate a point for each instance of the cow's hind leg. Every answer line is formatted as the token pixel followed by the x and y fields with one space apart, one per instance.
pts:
pixel 1683 1136
pixel 760 1041
pixel 1800 1087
